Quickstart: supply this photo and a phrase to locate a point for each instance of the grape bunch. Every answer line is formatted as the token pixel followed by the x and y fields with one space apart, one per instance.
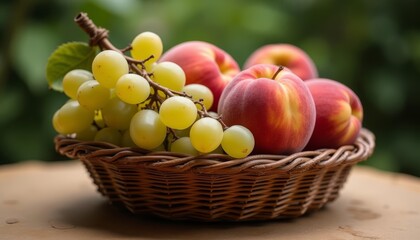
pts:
pixel 136 101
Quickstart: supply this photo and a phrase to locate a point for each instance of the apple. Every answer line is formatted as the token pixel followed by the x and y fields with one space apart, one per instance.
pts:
pixel 339 114
pixel 274 104
pixel 204 63
pixel 286 55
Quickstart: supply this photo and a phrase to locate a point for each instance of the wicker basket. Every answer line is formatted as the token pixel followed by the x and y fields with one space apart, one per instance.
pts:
pixel 216 187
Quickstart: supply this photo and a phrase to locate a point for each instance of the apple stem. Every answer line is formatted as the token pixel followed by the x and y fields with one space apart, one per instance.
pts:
pixel 277 72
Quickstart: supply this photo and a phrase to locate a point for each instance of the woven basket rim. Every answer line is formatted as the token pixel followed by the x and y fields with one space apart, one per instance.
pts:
pixel 218 163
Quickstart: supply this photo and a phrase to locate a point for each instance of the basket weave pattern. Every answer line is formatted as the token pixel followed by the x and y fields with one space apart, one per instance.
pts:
pixel 216 187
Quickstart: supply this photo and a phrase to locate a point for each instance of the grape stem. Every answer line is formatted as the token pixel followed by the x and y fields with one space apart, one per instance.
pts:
pixel 99 37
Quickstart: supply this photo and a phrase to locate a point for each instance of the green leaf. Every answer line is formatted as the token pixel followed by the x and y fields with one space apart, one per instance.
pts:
pixel 68 56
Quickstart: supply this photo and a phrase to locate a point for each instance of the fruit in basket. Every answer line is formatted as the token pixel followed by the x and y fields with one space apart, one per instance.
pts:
pixel 274 104
pixel 184 145
pixel 339 114
pixel 118 114
pixel 145 45
pixel 92 95
pixel 146 129
pixel 273 94
pixel 178 112
pixel 88 134
pixel 109 135
pixel 238 141
pixel 199 91
pixel 132 88
pixel 170 75
pixel 73 79
pixel 205 64
pixel 108 66
pixel 72 118
pixel 206 134
pixel 287 55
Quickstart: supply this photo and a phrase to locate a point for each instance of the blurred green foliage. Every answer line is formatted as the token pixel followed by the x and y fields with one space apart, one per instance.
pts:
pixel 371 46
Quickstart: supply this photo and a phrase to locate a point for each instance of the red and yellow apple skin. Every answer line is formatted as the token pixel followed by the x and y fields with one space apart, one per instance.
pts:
pixel 339 114
pixel 286 55
pixel 205 64
pixel 279 112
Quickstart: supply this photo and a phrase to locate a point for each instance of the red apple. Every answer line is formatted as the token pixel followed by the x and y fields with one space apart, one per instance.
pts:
pixel 276 106
pixel 205 64
pixel 339 114
pixel 286 55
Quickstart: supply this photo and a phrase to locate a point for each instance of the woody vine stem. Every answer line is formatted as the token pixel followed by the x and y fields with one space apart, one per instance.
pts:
pixel 99 37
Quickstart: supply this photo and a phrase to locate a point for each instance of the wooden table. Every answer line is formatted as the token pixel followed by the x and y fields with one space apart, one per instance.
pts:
pixel 58 201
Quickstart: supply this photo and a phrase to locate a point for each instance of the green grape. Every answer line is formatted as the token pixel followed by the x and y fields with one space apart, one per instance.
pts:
pixel 170 75
pixel 109 135
pixel 56 125
pixel 132 88
pixel 118 114
pixel 199 91
pixel 183 145
pixel 145 45
pixel 146 129
pixel 72 118
pixel 92 95
pixel 126 140
pixel 178 112
pixel 108 66
pixel 238 141
pixel 72 81
pixel 206 134
pixel 88 134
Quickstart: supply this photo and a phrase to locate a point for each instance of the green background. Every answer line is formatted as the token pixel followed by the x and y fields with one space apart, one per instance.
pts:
pixel 371 46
